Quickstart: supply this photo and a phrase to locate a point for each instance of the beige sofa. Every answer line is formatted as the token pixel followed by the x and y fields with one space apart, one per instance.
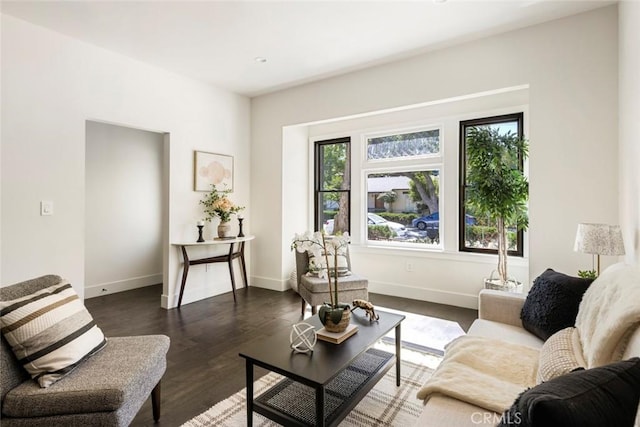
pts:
pixel 499 318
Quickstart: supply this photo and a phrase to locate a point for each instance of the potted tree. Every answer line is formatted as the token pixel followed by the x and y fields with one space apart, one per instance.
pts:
pixel 497 188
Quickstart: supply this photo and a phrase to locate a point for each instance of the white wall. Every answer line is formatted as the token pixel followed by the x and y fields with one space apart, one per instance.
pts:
pixel 629 127
pixel 388 267
pixel 123 217
pixel 52 84
pixel 570 67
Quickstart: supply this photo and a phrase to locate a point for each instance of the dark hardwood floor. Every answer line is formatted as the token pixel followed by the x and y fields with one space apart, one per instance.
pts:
pixel 203 366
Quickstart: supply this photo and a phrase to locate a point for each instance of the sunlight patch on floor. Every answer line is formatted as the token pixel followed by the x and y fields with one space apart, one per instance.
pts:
pixel 406 354
pixel 426 331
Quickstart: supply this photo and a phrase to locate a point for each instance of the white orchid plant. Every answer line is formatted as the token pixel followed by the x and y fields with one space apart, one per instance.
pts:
pixel 321 246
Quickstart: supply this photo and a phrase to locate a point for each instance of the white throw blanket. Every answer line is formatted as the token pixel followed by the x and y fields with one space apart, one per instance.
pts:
pixel 484 372
pixel 608 314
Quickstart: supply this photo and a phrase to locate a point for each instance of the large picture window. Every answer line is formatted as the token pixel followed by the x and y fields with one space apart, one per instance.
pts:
pixel 333 185
pixel 403 187
pixel 404 206
pixel 478 234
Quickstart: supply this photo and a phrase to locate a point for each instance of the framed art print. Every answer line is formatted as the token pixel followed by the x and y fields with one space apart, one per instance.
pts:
pixel 212 168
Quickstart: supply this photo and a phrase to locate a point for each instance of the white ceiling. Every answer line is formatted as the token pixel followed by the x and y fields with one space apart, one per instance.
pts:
pixel 218 41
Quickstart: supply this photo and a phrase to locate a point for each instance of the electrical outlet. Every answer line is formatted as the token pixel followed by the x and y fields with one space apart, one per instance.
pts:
pixel 46 208
pixel 408 266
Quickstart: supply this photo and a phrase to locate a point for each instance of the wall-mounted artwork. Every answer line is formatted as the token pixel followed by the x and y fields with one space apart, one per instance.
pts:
pixel 212 168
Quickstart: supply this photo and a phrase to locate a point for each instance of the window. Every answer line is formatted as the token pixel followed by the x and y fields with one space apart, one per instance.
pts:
pixel 403 187
pixel 332 185
pixel 405 145
pixel 477 234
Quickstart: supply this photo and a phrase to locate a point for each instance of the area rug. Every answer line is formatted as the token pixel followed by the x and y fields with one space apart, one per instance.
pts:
pixel 384 405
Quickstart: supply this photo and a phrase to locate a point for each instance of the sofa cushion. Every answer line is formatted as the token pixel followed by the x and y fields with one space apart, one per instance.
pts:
pixel 604 396
pixel 552 304
pixel 441 410
pixel 320 285
pixel 504 332
pixel 50 332
pixel 560 354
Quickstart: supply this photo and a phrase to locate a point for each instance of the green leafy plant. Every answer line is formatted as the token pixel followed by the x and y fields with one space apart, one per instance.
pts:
pixel 402 218
pixel 217 204
pixel 497 187
pixel 587 274
pixel 380 232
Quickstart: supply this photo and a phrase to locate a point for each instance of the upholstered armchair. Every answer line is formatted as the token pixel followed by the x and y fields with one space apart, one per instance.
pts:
pixel 106 389
pixel 315 291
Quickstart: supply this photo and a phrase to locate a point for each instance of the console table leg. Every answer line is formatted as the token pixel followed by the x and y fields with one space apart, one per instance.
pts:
pixel 398 346
pixel 249 374
pixel 233 281
pixel 185 271
pixel 244 266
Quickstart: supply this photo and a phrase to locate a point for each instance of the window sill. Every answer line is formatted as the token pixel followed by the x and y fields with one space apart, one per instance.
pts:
pixel 434 253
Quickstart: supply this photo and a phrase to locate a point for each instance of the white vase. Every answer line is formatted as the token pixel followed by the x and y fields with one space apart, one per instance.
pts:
pixel 224 230
pixel 509 285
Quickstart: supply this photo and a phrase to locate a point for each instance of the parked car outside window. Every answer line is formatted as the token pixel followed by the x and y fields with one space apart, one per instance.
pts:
pixel 431 223
pixel 372 219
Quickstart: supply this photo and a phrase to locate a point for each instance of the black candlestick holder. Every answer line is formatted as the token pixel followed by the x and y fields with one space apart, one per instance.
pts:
pixel 240 233
pixel 200 239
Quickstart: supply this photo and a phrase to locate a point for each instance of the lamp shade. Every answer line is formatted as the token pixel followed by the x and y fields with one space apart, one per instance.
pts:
pixel 599 239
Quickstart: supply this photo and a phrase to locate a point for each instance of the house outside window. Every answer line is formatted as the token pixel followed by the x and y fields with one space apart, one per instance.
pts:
pixel 477 234
pixel 402 179
pixel 332 185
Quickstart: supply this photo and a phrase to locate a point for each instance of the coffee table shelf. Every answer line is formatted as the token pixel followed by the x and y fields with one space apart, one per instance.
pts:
pixel 291 403
pixel 316 377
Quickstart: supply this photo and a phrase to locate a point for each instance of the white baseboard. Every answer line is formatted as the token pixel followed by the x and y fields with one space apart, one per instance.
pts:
pixel 93 291
pixel 193 294
pixel 456 299
pixel 432 295
pixel 266 283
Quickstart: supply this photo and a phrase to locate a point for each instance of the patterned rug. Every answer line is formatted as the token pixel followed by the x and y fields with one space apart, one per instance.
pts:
pixel 384 405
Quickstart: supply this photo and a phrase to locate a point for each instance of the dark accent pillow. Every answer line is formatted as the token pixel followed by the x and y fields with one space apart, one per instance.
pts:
pixel 552 303
pixel 603 396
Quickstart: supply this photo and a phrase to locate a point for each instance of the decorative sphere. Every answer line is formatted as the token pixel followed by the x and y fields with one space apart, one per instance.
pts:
pixel 302 337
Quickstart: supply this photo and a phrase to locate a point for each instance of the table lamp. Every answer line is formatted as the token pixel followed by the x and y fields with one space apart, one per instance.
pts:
pixel 599 239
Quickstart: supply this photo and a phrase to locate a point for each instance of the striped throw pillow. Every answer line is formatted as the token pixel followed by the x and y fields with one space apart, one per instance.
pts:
pixel 50 332
pixel 318 263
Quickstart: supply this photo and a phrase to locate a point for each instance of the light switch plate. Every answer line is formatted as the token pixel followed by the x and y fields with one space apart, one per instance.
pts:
pixel 46 208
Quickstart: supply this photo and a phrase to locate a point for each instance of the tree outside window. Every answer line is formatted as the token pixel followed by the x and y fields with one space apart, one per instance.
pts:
pixel 477 233
pixel 332 185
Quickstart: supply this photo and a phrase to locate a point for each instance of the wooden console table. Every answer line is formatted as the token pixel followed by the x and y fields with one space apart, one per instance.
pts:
pixel 228 258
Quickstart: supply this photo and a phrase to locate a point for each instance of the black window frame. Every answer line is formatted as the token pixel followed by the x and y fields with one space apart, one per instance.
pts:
pixel 517 117
pixel 319 192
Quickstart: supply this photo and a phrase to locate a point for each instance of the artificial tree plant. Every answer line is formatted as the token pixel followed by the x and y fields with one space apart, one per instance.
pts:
pixel 496 186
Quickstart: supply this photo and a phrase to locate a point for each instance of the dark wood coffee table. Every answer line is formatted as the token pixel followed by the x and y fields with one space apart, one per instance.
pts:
pixel 323 370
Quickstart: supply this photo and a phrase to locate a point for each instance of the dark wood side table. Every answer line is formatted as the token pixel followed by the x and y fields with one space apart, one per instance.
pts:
pixel 236 250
